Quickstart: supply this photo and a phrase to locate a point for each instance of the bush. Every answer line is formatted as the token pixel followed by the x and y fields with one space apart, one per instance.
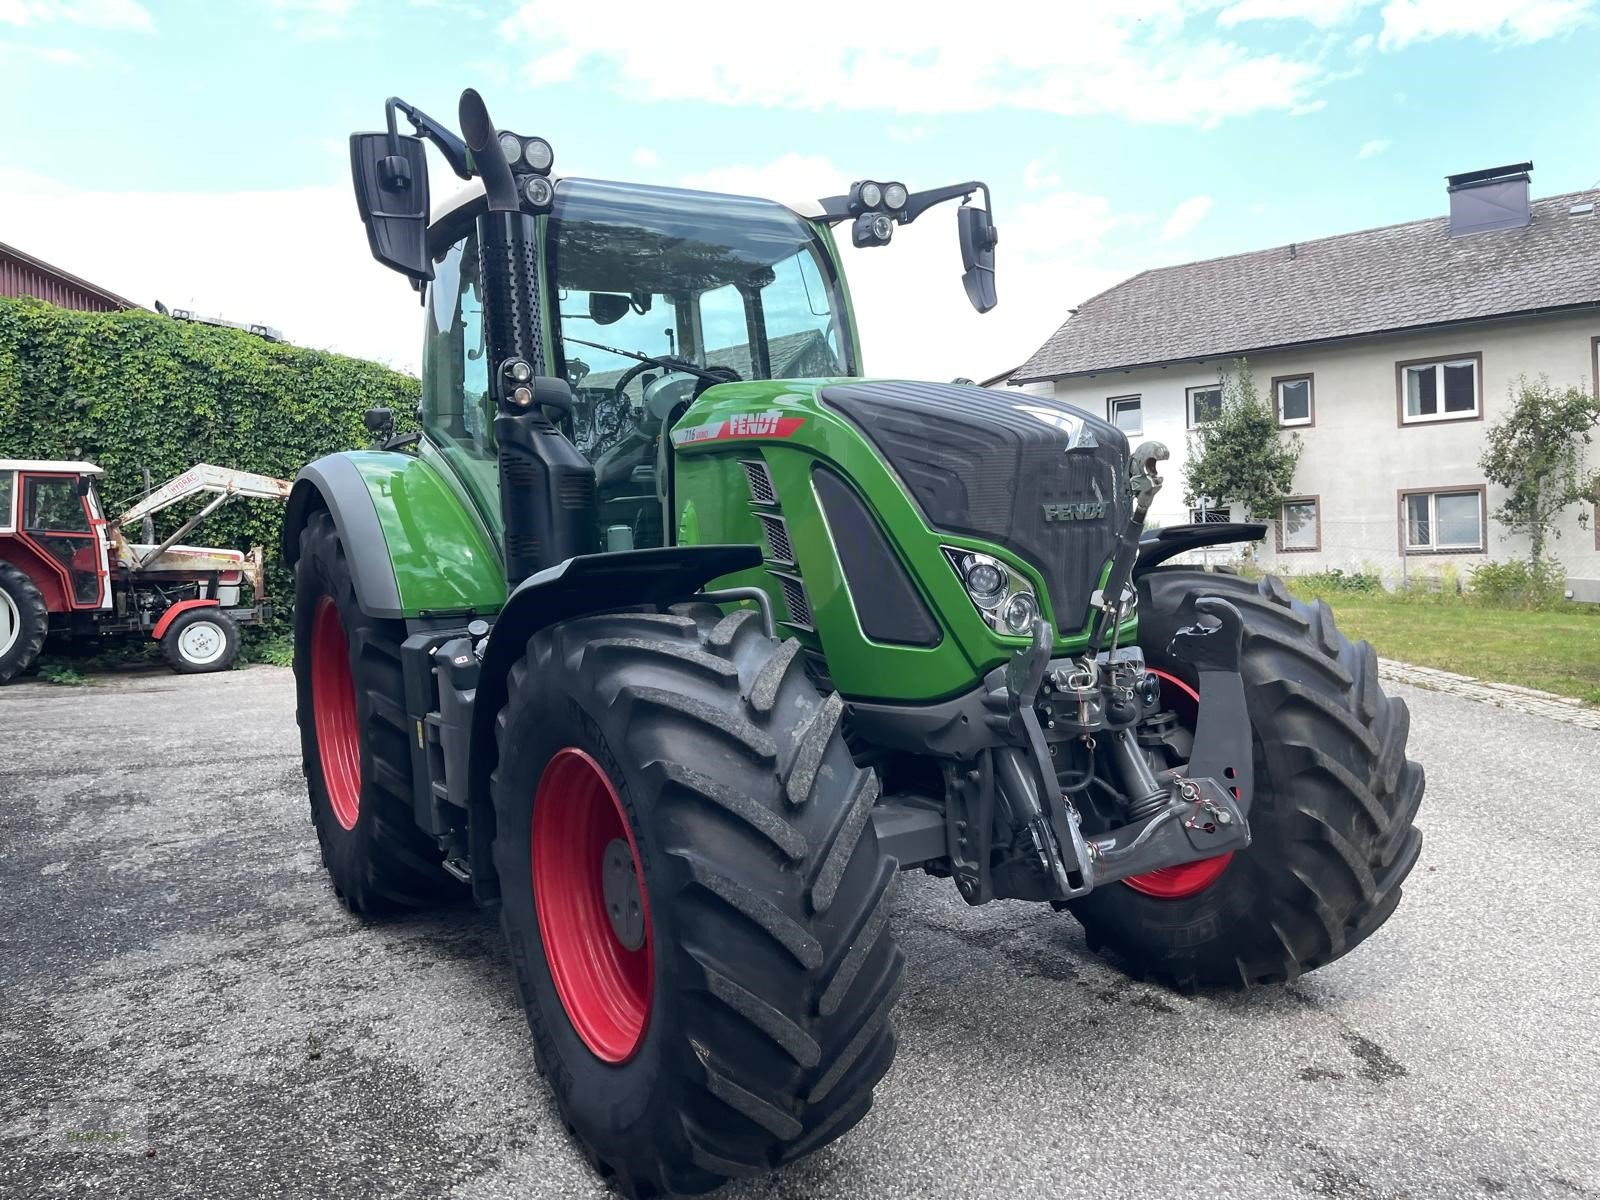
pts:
pixel 1520 584
pixel 1335 580
pixel 130 390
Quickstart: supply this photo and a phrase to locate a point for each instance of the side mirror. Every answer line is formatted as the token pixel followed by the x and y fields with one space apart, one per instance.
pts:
pixel 379 422
pixel 607 308
pixel 392 194
pixel 978 238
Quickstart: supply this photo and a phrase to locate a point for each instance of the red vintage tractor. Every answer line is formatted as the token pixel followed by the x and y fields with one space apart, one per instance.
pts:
pixel 66 569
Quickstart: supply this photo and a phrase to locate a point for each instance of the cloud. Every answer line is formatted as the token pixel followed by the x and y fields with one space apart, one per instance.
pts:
pixel 644 156
pixel 1373 148
pixel 311 20
pixel 1409 21
pixel 110 15
pixel 1324 14
pixel 1185 217
pixel 1041 173
pixel 54 56
pixel 1147 60
pixel 304 267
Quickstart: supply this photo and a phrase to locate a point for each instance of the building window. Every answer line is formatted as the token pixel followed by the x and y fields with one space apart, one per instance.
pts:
pixel 1441 389
pixel 1205 404
pixel 1293 396
pixel 1206 515
pixel 1125 413
pixel 1441 522
pixel 1300 524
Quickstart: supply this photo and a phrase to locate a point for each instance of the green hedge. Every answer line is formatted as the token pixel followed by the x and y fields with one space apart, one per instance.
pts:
pixel 133 389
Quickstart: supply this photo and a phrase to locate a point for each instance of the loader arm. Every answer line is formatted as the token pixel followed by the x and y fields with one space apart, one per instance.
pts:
pixel 204 478
pixel 224 483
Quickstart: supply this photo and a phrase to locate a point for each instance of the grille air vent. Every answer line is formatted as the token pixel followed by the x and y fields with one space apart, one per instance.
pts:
pixel 778 539
pixel 794 595
pixel 761 489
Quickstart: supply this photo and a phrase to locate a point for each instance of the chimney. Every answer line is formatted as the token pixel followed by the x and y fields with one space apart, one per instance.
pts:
pixel 1492 199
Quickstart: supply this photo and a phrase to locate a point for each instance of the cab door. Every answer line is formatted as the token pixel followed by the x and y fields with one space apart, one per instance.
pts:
pixel 57 520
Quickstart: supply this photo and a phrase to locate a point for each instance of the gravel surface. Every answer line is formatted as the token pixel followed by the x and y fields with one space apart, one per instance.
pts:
pixel 187 1011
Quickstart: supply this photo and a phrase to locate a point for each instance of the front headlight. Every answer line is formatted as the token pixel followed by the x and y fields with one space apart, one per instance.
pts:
pixel 1003 598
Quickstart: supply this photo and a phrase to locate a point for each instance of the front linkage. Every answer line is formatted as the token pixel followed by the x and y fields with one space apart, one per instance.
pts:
pixel 1045 739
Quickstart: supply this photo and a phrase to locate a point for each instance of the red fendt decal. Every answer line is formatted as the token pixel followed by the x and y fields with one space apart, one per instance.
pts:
pixel 748 425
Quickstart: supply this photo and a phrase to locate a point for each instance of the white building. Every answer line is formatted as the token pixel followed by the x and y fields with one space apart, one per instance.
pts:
pixel 1389 352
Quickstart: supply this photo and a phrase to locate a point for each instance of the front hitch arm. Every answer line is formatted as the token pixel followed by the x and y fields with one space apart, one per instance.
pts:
pixel 1209 798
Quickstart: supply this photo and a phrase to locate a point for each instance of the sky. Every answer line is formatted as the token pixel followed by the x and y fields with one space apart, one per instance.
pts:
pixel 196 152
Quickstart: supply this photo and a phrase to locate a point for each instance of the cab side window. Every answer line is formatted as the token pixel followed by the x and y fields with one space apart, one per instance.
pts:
pixel 457 411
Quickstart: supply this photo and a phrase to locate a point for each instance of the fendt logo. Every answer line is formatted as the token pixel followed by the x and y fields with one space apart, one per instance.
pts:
pixel 1086 510
pixel 745 425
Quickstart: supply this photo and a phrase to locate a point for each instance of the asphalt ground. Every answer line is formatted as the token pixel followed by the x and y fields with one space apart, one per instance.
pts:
pixel 188 1012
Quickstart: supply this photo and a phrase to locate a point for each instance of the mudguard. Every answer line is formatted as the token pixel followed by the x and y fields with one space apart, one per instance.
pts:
pixel 588 583
pixel 1158 545
pixel 414 548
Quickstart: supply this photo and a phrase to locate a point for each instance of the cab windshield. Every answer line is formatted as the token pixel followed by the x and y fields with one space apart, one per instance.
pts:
pixel 737 284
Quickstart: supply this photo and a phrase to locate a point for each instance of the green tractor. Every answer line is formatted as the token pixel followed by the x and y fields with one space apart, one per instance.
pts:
pixel 675 638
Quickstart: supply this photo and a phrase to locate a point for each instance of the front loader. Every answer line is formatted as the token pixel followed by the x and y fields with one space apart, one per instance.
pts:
pixel 675 637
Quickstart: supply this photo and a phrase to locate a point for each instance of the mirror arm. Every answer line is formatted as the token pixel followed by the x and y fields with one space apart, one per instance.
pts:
pixel 920 202
pixel 451 146
pixel 837 208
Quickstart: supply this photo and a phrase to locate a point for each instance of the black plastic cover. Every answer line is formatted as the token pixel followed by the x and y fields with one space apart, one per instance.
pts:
pixel 887 603
pixel 1044 479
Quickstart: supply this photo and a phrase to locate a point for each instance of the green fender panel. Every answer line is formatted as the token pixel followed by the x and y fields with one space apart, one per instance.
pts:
pixel 415 543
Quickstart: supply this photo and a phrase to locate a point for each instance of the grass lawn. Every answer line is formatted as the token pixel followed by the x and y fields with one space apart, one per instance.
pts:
pixel 1557 651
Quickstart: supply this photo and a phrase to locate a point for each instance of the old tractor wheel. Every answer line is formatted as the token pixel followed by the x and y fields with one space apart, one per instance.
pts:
pixel 24 621
pixel 200 641
pixel 353 738
pixel 693 896
pixel 1332 817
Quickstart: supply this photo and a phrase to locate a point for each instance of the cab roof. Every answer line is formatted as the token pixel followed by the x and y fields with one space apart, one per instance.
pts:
pixel 45 464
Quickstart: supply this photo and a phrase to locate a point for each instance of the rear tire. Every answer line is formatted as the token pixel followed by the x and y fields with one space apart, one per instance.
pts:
pixel 751 1023
pixel 1332 833
pixel 24 622
pixel 354 738
pixel 200 641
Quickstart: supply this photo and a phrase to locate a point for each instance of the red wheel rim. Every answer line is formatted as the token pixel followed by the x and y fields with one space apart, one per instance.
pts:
pixel 604 986
pixel 1186 879
pixel 333 707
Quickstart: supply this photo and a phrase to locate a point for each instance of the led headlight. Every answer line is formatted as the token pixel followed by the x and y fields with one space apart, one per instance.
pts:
pixel 985 580
pixel 894 196
pixel 539 191
pixel 510 147
pixel 536 152
pixel 1020 611
pixel 871 194
pixel 1003 596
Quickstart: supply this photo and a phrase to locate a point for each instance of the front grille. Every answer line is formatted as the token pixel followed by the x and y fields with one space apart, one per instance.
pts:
pixel 794 595
pixel 777 539
pixel 1024 472
pixel 761 489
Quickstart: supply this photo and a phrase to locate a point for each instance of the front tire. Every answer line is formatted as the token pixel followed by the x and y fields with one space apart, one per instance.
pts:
pixel 693 896
pixel 201 641
pixel 1331 821
pixel 24 622
pixel 353 738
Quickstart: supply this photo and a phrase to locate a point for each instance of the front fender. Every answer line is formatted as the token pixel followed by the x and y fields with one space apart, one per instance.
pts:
pixel 587 583
pixel 1158 545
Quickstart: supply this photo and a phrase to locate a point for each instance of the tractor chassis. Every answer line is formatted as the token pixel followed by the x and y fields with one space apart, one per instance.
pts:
pixel 996 745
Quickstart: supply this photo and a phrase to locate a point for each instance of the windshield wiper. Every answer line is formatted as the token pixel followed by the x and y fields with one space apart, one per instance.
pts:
pixel 671 364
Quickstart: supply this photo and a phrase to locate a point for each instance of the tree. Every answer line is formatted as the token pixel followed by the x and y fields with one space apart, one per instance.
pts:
pixel 1536 453
pixel 1241 456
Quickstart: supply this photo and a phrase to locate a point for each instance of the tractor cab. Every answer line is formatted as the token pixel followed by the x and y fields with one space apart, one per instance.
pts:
pixel 657 295
pixel 52 527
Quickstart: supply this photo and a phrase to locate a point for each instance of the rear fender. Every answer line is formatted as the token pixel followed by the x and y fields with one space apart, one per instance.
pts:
pixel 580 586
pixel 414 548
